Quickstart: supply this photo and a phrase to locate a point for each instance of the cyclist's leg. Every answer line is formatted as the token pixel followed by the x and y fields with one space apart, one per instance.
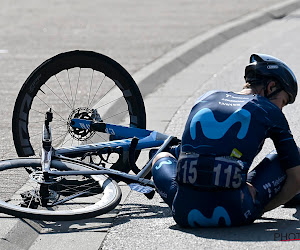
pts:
pixel 268 178
pixel 164 176
pixel 234 207
pixel 194 208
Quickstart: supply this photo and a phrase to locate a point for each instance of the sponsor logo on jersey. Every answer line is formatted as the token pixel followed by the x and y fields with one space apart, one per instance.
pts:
pixel 212 129
pixel 196 218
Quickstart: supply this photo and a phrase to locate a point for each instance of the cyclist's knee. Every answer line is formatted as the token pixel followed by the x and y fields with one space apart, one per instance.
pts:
pixel 164 176
pixel 162 155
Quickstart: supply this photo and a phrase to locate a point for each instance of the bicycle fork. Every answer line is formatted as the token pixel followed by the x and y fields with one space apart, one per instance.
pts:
pixel 46 158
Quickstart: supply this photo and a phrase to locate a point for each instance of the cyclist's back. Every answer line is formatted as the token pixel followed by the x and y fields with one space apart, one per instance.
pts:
pixel 223 133
pixel 229 124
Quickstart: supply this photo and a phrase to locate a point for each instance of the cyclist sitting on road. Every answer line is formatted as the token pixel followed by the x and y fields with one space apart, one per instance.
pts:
pixel 209 184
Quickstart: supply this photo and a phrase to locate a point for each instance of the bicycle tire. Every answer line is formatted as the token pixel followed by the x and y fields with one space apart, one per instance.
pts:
pixel 110 197
pixel 52 85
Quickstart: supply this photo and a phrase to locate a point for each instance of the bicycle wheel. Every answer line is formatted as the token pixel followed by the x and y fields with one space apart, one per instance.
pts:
pixel 68 198
pixel 75 84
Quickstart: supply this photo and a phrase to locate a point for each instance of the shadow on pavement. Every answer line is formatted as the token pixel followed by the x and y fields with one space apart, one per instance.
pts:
pixel 268 228
pixel 101 223
pixel 264 229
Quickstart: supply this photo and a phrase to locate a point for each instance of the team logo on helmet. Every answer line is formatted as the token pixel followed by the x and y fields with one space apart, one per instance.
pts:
pixel 272 67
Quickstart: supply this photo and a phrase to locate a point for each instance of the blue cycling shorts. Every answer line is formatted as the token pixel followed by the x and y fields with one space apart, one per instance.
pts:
pixel 192 207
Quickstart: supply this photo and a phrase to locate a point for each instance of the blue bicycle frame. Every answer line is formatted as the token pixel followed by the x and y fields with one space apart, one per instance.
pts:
pixel 146 139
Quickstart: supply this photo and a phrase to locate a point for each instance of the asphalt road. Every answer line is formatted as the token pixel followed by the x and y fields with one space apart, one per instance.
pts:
pixel 135 41
pixel 132 32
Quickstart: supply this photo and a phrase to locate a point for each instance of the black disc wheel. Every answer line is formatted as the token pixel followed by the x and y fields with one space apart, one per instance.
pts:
pixel 76 84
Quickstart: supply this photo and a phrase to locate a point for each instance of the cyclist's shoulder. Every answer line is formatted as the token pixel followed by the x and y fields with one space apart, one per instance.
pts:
pixel 252 101
pixel 212 95
pixel 203 96
pixel 268 108
pixel 224 98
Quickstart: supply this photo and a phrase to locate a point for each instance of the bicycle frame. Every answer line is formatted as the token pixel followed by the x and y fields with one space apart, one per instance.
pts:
pixel 146 139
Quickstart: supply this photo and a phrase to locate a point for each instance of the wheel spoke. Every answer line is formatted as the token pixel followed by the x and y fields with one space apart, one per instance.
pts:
pixel 109 102
pixel 107 93
pixel 64 142
pixel 58 96
pixel 106 118
pixel 59 136
pixel 63 92
pixel 43 113
pixel 77 88
pixel 97 91
pixel 41 132
pixel 88 101
pixel 100 135
pixel 51 109
pixel 69 81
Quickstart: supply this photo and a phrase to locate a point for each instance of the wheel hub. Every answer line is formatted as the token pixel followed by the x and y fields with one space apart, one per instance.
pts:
pixel 81 113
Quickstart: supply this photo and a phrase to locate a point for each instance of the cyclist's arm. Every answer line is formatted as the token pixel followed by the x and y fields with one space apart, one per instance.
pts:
pixel 290 188
pixel 289 157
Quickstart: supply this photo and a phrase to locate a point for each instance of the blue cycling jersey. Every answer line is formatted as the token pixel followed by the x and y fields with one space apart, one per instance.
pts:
pixel 229 124
pixel 224 132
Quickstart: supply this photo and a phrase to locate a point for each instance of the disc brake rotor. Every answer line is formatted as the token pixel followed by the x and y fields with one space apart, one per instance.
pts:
pixel 81 134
